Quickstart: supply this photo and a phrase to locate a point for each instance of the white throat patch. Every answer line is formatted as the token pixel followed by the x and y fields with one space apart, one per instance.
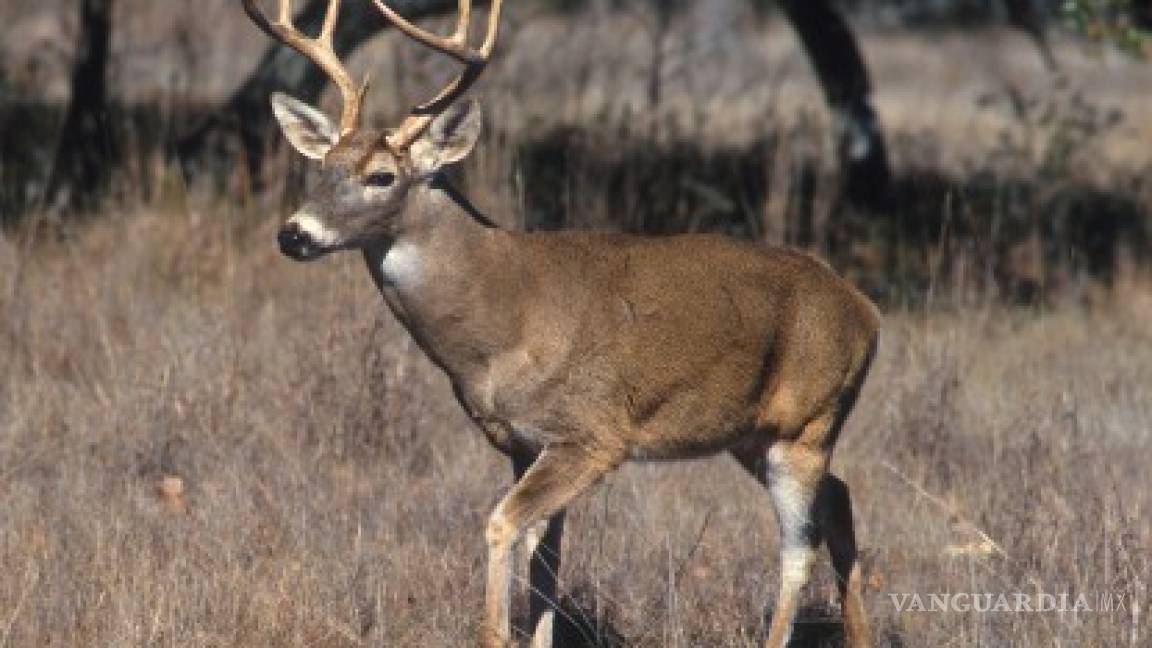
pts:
pixel 403 265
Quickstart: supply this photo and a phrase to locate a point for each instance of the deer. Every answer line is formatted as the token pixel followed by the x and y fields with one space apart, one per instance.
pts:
pixel 574 352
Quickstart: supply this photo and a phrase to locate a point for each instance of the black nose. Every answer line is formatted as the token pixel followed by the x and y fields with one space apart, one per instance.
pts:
pixel 294 242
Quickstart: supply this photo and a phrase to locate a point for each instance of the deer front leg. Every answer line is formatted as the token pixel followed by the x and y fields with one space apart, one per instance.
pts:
pixel 542 547
pixel 559 474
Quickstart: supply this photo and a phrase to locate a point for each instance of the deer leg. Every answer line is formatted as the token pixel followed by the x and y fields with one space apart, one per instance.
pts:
pixel 807 515
pixel 793 478
pixel 543 571
pixel 542 545
pixel 792 472
pixel 558 475
pixel 835 507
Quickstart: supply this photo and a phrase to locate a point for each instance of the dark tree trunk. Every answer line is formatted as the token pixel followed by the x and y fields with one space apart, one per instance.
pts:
pixel 247 112
pixel 834 54
pixel 85 151
pixel 1028 17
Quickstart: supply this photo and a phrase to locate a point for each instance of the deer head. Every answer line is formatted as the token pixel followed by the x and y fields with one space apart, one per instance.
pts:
pixel 367 174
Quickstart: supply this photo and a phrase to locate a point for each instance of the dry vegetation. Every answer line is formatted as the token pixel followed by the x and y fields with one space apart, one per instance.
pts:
pixel 333 495
pixel 204 444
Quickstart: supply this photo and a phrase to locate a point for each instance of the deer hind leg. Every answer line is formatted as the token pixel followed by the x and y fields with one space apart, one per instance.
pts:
pixel 793 477
pixel 835 509
pixel 558 475
pixel 811 506
pixel 542 545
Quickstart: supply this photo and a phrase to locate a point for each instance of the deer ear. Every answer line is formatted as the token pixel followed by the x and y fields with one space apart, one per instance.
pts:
pixel 449 138
pixel 307 129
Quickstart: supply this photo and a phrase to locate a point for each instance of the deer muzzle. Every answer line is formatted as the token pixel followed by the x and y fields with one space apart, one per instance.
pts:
pixel 297 244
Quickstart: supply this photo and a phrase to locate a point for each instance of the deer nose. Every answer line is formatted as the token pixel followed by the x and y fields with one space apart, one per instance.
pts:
pixel 294 242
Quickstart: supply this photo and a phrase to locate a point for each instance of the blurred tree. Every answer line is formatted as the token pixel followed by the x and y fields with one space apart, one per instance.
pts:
pixel 658 24
pixel 835 55
pixel 85 152
pixel 662 11
pixel 823 31
pixel 1029 16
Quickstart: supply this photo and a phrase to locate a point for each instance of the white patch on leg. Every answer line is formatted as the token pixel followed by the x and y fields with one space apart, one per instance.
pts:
pixel 795 565
pixel 499 536
pixel 792 511
pixel 534 536
pixel 793 505
pixel 403 264
pixel 315 229
pixel 542 637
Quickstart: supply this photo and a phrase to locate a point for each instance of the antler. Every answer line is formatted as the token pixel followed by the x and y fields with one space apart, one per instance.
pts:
pixel 319 50
pixel 455 46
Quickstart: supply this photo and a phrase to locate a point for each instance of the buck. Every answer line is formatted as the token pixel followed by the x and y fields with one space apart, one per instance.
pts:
pixel 575 352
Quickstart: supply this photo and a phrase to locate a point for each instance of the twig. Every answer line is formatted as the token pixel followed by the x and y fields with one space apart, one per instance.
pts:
pixel 947 508
pixel 692 551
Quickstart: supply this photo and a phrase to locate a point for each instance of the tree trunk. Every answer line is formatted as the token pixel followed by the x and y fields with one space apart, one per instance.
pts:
pixel 840 68
pixel 247 112
pixel 85 150
pixel 1028 17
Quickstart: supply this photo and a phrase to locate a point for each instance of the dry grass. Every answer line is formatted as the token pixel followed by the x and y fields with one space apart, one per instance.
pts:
pixel 204 444
pixel 333 494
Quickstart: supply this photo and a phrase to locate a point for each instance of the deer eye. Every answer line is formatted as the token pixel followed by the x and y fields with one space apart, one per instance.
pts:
pixel 380 179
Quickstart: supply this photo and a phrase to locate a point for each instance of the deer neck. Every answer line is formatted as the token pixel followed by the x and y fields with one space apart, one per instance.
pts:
pixel 442 273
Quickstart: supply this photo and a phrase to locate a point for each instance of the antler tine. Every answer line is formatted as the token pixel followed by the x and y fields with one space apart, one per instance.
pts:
pixel 319 50
pixel 329 26
pixel 455 46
